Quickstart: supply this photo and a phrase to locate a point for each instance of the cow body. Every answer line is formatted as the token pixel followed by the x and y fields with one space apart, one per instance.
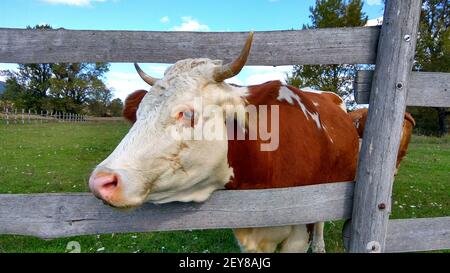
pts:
pixel 312 141
pixel 309 153
pixel 317 144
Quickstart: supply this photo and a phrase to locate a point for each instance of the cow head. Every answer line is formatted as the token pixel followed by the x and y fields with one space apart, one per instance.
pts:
pixel 150 164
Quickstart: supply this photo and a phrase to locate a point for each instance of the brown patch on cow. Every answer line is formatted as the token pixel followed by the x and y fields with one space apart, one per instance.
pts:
pixel 408 126
pixel 409 117
pixel 132 104
pixel 305 155
pixel 334 98
pixel 359 118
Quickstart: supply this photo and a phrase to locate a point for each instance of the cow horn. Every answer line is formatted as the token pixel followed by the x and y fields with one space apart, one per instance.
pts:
pixel 147 78
pixel 232 69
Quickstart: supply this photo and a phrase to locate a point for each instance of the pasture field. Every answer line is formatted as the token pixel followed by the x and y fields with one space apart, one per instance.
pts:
pixel 55 157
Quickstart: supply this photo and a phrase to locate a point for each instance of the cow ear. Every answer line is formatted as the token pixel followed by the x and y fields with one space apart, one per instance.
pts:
pixel 132 104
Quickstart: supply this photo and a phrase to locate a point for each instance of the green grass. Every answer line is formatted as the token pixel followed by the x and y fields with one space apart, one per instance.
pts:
pixel 59 158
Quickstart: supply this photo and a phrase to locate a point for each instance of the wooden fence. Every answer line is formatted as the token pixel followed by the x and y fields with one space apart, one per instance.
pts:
pixel 11 116
pixel 367 203
pixel 21 116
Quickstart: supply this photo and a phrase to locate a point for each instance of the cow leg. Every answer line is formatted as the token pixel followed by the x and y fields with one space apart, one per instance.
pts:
pixel 318 243
pixel 263 240
pixel 298 240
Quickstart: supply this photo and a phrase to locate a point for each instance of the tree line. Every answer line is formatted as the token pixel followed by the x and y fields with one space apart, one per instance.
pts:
pixel 76 88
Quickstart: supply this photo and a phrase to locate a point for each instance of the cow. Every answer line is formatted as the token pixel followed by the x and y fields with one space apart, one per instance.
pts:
pixel 313 141
pixel 359 118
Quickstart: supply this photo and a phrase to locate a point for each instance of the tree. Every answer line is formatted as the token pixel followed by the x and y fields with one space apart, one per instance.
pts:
pixel 13 94
pixel 28 87
pixel 99 101
pixel 75 84
pixel 65 87
pixel 116 107
pixel 433 55
pixel 335 78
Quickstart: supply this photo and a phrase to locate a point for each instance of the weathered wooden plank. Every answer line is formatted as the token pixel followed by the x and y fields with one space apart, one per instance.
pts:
pixel 373 190
pixel 318 46
pixel 430 89
pixel 418 234
pixel 68 214
pixel 408 235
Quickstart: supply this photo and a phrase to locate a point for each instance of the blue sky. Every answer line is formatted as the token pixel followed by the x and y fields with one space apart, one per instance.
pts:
pixel 192 15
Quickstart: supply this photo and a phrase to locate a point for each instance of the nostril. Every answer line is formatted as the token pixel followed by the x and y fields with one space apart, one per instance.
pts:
pixel 111 185
pixel 104 185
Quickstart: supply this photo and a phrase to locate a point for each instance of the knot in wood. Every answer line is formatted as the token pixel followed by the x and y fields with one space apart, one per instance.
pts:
pixel 373 247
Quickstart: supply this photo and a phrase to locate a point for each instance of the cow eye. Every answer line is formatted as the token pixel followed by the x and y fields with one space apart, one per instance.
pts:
pixel 187 117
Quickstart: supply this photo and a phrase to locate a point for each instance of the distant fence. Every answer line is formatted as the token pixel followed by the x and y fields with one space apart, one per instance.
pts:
pixel 10 116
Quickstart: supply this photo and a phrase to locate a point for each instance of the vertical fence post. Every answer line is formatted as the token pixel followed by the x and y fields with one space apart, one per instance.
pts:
pixel 23 116
pixel 373 189
pixel 7 116
pixel 29 116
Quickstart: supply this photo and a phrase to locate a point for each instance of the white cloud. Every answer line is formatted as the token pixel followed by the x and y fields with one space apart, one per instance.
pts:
pixel 374 2
pixel 190 24
pixel 374 22
pixel 77 3
pixel 124 83
pixel 165 20
pixel 251 75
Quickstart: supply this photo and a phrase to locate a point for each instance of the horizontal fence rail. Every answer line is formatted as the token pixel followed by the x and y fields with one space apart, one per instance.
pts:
pixel 69 214
pixel 418 234
pixel 430 89
pixel 315 46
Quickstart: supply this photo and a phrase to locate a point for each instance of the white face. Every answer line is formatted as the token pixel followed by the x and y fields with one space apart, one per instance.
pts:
pixel 150 164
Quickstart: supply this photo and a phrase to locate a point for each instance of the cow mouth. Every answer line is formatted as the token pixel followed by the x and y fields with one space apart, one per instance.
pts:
pixel 121 207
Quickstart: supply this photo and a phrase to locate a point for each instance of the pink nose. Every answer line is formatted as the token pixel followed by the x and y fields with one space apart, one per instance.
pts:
pixel 104 185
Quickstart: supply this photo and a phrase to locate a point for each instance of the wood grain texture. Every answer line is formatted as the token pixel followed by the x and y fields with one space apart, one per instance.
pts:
pixel 69 214
pixel 418 234
pixel 373 190
pixel 430 89
pixel 408 235
pixel 318 46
